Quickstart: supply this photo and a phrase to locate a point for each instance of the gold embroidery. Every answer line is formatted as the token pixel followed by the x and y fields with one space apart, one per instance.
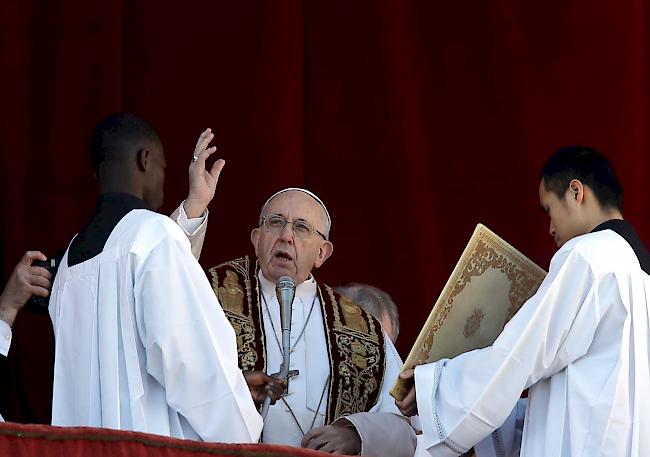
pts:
pixel 358 374
pixel 231 294
pixel 355 341
pixel 485 257
pixel 523 282
pixel 240 314
pixel 352 315
pixel 245 340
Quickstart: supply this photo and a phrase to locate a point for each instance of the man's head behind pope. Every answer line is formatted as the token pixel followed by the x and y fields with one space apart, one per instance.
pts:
pixel 292 236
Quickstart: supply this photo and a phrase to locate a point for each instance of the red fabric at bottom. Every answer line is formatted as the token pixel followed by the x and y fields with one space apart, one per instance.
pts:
pixel 19 440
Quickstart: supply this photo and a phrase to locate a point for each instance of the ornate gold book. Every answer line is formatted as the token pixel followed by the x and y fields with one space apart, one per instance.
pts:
pixel 487 287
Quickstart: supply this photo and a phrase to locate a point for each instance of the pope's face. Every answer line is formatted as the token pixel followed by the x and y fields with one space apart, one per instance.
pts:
pixel 565 221
pixel 284 254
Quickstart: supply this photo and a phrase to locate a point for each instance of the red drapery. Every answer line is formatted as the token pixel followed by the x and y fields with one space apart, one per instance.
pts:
pixel 412 120
pixel 17 440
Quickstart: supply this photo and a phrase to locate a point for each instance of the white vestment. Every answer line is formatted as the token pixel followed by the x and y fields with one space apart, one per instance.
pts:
pixel 580 344
pixel 194 228
pixel 142 343
pixel 5 338
pixel 383 431
pixel 506 440
pixel 5 342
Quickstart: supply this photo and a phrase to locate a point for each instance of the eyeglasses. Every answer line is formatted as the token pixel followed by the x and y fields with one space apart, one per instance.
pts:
pixel 302 229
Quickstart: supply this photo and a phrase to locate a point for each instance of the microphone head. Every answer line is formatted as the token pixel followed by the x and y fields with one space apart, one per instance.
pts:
pixel 285 290
pixel 285 281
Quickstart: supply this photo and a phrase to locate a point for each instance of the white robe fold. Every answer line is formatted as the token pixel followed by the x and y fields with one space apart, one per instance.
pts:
pixel 194 228
pixel 5 338
pixel 142 343
pixel 580 344
pixel 506 440
pixel 5 343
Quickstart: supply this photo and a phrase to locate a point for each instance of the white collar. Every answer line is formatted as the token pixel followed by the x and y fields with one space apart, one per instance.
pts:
pixel 305 291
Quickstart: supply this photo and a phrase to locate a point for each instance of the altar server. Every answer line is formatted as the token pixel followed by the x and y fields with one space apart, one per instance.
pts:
pixel 141 340
pixel 580 344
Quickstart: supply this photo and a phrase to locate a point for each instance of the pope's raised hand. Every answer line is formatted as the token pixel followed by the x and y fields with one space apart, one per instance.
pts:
pixel 203 183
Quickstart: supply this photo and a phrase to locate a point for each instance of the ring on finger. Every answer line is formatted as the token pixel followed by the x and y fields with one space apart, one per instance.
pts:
pixel 195 157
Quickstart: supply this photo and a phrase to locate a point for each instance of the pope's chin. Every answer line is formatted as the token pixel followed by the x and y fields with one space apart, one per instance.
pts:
pixel 278 268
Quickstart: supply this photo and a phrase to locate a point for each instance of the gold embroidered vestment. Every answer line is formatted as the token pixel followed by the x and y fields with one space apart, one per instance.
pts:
pixel 354 338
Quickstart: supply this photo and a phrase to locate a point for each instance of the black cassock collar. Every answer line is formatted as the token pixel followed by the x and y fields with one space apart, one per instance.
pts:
pixel 109 211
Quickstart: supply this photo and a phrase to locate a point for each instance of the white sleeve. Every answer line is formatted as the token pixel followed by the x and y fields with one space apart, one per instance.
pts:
pixel 383 434
pixel 5 343
pixel 385 402
pixel 5 338
pixel 462 400
pixel 506 440
pixel 194 228
pixel 190 346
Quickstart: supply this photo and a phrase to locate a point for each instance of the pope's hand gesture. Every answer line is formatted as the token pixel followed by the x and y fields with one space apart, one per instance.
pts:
pixel 203 183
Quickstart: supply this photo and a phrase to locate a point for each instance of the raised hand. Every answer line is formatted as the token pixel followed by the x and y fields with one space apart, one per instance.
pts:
pixel 335 439
pixel 24 282
pixel 203 183
pixel 408 406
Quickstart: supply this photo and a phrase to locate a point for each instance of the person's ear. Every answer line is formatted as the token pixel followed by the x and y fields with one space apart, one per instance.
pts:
pixel 577 191
pixel 142 158
pixel 255 237
pixel 324 253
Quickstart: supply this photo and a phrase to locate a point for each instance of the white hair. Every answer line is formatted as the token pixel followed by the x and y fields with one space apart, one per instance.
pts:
pixel 328 219
pixel 374 300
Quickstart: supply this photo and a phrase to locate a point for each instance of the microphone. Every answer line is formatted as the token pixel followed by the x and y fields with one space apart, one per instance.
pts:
pixel 285 291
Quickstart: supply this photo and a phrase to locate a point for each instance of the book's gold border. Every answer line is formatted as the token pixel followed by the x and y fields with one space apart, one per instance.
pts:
pixel 455 284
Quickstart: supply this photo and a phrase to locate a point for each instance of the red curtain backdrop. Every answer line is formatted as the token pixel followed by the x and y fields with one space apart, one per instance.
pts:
pixel 412 120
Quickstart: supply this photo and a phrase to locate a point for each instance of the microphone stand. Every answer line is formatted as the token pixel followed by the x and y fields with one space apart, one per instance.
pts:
pixel 285 290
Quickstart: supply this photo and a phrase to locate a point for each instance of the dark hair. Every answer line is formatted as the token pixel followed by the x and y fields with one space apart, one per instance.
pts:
pixel 120 134
pixel 590 167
